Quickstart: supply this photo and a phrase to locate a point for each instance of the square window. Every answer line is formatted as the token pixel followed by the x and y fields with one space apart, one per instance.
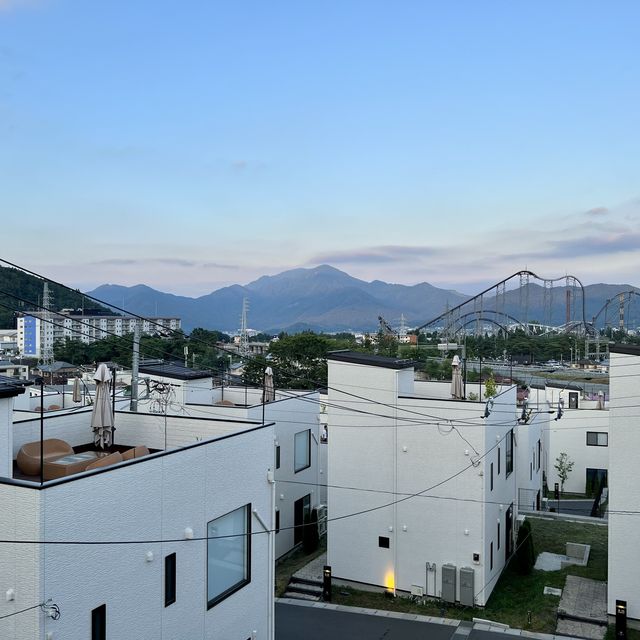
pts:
pixel 302 450
pixel 228 554
pixel 597 439
pixel 383 542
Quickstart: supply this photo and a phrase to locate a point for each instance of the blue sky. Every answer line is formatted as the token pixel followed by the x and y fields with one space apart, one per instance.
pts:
pixel 189 145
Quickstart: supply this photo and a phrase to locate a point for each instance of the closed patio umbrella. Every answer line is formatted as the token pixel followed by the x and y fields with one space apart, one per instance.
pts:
pixel 102 417
pixel 268 391
pixel 77 397
pixel 457 390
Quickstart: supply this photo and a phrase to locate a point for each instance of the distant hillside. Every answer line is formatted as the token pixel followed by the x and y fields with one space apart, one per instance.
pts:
pixel 327 299
pixel 27 290
pixel 323 298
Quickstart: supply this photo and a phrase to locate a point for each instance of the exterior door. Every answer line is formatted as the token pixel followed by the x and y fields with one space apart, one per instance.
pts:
pixel 301 508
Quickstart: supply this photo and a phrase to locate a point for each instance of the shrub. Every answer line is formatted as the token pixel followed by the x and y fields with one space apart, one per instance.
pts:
pixel 525 552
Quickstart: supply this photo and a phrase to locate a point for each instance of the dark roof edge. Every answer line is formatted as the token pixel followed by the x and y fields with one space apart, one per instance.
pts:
pixel 628 349
pixel 355 357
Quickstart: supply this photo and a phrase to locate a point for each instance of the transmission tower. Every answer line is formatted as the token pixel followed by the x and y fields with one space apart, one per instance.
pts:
pixel 46 328
pixel 244 338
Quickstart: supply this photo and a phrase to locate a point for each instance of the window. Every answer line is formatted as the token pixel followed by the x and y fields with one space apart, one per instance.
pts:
pixel 492 476
pixel 539 453
pixel 277 456
pixel 228 554
pixel 508 454
pixel 99 623
pixel 498 460
pixel 383 542
pixel 169 579
pixel 491 557
pixel 597 439
pixel 302 450
pixel 573 400
pixel 277 520
pixel 498 538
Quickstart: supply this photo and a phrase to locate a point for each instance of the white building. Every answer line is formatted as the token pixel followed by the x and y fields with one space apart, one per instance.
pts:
pixel 300 471
pixel 422 492
pixel 173 544
pixel 624 498
pixel 35 334
pixel 582 433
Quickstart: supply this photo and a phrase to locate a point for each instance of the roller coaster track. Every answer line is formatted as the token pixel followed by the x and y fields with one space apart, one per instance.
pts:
pixel 495 296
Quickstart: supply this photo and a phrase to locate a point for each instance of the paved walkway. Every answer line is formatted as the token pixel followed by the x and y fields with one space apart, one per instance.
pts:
pixel 582 610
pixel 313 570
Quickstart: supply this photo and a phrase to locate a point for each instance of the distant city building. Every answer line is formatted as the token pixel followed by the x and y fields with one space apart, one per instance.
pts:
pixel 35 334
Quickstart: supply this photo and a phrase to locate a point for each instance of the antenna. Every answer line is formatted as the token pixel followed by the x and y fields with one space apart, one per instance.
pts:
pixel 46 327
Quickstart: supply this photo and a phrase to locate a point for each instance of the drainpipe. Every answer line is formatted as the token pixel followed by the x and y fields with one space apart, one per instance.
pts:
pixel 41 380
pixel 395 487
pixel 270 530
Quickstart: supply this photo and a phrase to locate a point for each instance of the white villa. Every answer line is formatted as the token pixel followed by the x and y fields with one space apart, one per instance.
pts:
pixel 168 536
pixel 423 491
pixel 624 497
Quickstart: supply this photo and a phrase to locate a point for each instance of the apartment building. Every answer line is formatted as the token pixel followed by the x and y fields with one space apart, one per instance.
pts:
pixel 36 334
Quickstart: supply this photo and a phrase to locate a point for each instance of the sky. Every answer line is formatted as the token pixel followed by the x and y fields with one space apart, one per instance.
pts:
pixel 192 145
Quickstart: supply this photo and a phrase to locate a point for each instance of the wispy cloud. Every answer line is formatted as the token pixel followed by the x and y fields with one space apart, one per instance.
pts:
pixel 374 255
pixel 168 262
pixel 597 212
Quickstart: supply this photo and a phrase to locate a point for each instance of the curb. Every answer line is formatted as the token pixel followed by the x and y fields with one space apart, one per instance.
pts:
pixel 450 622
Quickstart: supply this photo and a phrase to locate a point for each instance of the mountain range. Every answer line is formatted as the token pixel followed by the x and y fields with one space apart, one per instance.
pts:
pixel 321 299
pixel 327 299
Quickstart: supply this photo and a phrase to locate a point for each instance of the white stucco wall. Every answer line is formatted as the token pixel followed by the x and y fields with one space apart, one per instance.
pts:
pixel 154 499
pixel 569 435
pixel 624 496
pixel 20 567
pixel 449 522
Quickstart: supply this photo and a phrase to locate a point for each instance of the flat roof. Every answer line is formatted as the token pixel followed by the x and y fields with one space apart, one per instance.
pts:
pixel 173 370
pixel 10 387
pixel 356 357
pixel 628 349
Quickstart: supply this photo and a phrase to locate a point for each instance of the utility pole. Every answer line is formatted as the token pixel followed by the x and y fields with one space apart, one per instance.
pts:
pixel 135 364
pixel 244 338
pixel 46 327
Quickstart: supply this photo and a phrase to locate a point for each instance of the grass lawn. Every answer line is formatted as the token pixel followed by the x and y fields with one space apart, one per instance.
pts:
pixel 514 595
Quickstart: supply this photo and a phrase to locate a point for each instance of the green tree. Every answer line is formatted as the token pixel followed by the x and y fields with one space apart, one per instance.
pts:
pixel 563 466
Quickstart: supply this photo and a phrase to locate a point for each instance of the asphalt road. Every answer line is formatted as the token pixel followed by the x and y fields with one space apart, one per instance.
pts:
pixel 573 507
pixel 295 622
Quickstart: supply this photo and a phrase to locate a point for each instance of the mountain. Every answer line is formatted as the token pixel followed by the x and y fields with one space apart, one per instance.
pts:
pixel 327 299
pixel 323 299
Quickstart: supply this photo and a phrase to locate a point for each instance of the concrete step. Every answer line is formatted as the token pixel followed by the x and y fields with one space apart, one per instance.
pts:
pixel 304 589
pixel 307 581
pixel 300 596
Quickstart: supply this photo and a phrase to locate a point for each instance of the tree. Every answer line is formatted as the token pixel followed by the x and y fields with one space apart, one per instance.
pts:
pixel 490 387
pixel 563 466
